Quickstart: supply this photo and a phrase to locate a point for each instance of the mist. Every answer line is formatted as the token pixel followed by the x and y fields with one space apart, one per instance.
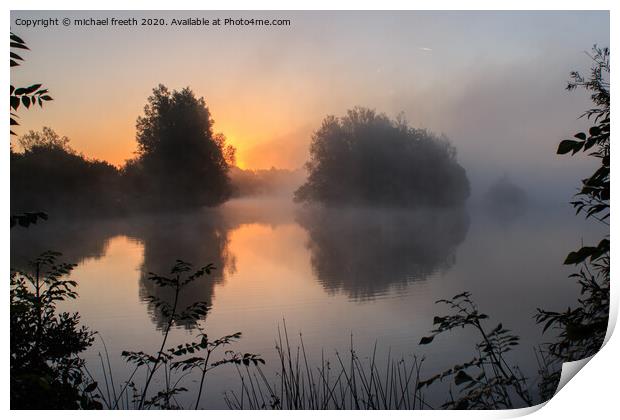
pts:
pixel 492 82
pixel 342 173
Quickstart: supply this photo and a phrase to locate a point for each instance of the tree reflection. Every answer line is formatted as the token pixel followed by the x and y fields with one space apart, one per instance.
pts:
pixel 200 238
pixel 364 252
pixel 77 239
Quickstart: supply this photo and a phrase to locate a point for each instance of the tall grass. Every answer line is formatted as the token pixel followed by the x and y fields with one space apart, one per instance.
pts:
pixel 348 382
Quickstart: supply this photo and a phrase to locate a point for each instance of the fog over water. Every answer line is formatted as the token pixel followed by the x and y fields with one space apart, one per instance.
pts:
pixel 327 273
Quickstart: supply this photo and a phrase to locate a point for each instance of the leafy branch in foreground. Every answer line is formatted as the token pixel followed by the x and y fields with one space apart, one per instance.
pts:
pixel 593 198
pixel 487 381
pixel 200 352
pixel 581 330
pixel 26 96
pixel 46 370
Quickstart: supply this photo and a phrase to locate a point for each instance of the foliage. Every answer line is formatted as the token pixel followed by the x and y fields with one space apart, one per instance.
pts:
pixel 593 198
pixel 200 352
pixel 180 161
pixel 487 381
pixel 46 371
pixel 582 329
pixel 49 174
pixel 26 96
pixel 366 158
pixel 46 139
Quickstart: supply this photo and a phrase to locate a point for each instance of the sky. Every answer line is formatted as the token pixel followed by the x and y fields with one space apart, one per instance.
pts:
pixel 493 82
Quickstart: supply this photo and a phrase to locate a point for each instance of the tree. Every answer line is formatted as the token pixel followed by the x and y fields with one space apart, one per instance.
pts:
pixel 180 161
pixel 366 158
pixel 48 174
pixel 47 139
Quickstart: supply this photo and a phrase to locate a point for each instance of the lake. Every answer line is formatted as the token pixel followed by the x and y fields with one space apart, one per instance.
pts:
pixel 367 276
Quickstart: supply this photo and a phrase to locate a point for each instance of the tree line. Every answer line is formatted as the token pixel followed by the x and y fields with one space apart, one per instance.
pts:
pixel 180 162
pixel 363 158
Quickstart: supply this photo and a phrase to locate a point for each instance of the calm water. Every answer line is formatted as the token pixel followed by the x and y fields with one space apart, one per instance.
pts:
pixel 333 275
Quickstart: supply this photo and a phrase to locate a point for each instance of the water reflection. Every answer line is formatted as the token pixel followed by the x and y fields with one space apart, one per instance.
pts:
pixel 366 252
pixel 77 239
pixel 199 237
pixel 361 253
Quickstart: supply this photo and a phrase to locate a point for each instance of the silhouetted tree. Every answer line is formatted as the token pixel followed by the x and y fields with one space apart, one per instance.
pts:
pixel 366 158
pixel 48 174
pixel 180 161
pixel 505 201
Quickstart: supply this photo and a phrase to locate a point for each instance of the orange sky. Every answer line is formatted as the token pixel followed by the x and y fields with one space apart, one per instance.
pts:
pixel 263 137
pixel 485 79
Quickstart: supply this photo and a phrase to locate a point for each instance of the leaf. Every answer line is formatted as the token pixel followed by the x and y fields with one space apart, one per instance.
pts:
pixel 26 101
pixel 91 387
pixel 427 340
pixel 568 146
pixel 19 45
pixel 17 39
pixel 34 87
pixel 579 256
pixel 589 143
pixel 581 136
pixel 462 377
pixel 15 102
pixel 594 131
